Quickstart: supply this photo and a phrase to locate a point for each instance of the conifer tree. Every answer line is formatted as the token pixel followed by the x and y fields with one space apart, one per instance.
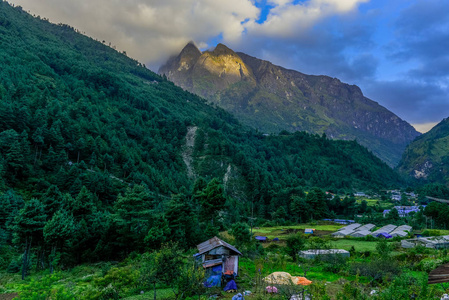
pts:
pixel 28 226
pixel 58 231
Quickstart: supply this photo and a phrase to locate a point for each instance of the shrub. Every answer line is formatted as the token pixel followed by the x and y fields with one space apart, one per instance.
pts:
pixel 377 269
pixel 45 288
pixel 295 243
pixel 334 263
pixel 117 281
pixel 15 265
pixel 429 264
pixel 431 232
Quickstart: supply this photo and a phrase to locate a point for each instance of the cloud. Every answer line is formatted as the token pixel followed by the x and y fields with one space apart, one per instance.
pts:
pixel 333 47
pixel 289 19
pixel 396 51
pixel 149 30
pixel 416 102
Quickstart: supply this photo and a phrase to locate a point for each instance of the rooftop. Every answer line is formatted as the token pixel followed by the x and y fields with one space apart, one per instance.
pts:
pixel 214 243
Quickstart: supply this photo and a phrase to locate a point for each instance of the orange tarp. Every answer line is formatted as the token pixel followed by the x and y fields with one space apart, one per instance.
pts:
pixel 303 281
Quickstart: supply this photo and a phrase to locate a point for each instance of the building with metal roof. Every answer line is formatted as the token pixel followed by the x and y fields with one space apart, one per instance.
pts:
pixel 360 233
pixel 385 229
pixel 366 227
pixel 218 258
pixel 351 227
pixel 214 243
pixel 342 233
pixel 401 231
pixel 435 242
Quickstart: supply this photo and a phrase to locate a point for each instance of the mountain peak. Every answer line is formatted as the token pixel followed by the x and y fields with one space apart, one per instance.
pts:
pixel 190 50
pixel 272 98
pixel 222 50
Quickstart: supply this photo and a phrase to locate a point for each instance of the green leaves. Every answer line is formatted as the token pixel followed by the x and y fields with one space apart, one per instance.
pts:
pixel 60 228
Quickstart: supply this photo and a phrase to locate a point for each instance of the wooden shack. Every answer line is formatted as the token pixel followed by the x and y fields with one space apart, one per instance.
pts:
pixel 215 252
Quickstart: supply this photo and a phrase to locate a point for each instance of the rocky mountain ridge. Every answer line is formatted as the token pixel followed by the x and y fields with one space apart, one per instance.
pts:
pixel 272 98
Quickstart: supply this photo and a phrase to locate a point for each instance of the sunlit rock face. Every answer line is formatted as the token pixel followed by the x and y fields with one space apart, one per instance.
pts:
pixel 271 98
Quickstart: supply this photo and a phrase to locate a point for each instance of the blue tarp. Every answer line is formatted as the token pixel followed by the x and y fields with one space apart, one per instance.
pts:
pixel 261 238
pixel 217 269
pixel 214 280
pixel 238 297
pixel 230 286
pixel 275 239
pixel 384 235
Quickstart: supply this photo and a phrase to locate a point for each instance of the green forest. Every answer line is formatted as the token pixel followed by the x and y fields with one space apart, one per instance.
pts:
pixel 93 157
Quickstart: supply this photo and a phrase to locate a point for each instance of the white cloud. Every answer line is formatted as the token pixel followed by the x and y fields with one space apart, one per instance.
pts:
pixel 288 19
pixel 151 30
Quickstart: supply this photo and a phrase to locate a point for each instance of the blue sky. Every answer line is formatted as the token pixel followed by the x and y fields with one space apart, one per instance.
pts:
pixel 395 50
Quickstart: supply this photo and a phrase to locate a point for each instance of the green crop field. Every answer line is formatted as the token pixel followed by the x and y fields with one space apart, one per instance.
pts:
pixel 282 232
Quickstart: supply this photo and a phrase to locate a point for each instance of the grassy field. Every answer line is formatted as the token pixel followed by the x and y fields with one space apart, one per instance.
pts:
pixel 84 278
pixel 374 202
pixel 359 246
pixel 282 232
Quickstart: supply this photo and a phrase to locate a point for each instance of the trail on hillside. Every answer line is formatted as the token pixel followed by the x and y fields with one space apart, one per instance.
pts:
pixel 187 153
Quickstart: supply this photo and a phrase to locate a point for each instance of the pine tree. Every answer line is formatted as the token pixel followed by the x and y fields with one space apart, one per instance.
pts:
pixel 132 216
pixel 58 231
pixel 28 227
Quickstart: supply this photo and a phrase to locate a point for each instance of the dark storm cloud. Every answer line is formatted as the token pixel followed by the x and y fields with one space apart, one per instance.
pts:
pixel 422 102
pixel 421 40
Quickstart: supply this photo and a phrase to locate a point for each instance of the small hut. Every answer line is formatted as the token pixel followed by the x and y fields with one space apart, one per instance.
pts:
pixel 218 258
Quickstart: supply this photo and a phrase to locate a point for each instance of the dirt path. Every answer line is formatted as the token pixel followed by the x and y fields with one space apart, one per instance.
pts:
pixel 188 151
pixel 8 296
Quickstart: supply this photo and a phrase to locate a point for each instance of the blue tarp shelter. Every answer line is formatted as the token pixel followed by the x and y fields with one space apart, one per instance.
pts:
pixel 262 238
pixel 384 235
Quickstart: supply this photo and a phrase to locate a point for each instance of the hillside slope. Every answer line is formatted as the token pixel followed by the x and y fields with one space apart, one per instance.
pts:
pixel 271 98
pixel 427 157
pixel 71 103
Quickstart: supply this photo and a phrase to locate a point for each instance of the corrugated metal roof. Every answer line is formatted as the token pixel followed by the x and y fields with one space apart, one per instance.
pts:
pixel 404 228
pixel 350 227
pixel 214 243
pixel 398 233
pixel 360 233
pixel 342 233
pixel 387 229
pixel 366 227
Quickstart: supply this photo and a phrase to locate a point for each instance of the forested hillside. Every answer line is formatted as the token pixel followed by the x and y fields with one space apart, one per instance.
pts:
pixel 101 157
pixel 427 157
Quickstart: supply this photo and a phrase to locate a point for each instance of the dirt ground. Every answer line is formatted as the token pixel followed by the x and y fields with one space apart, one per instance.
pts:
pixel 8 296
